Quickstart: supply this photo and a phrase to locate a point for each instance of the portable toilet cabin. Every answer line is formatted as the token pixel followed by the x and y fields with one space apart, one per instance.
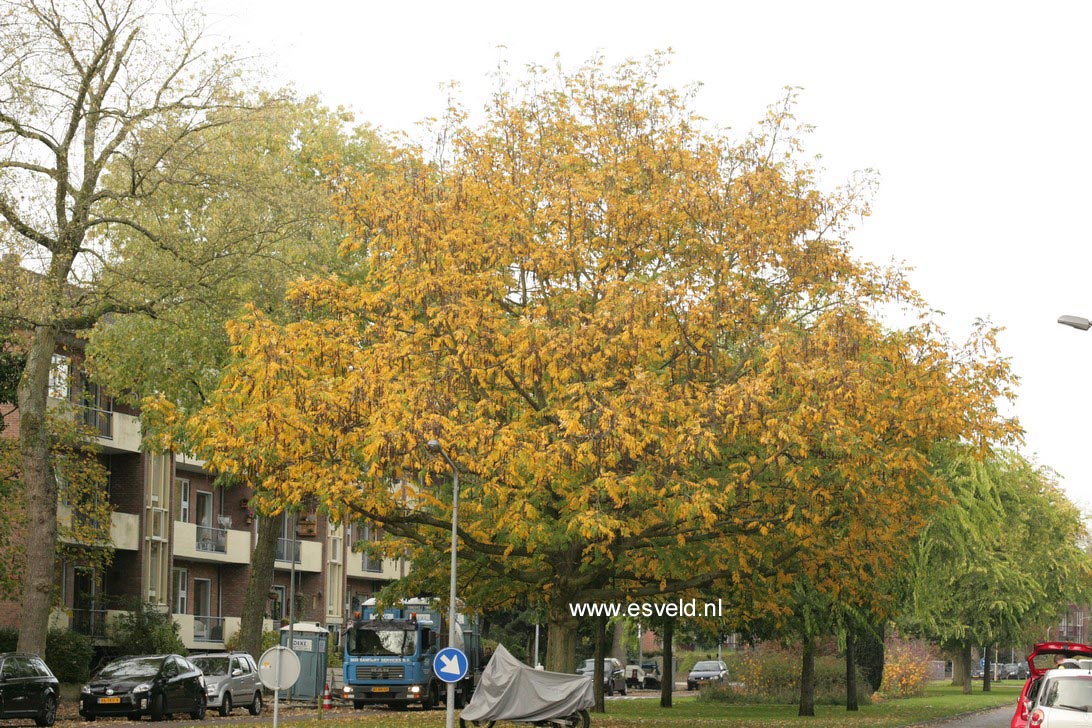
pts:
pixel 309 644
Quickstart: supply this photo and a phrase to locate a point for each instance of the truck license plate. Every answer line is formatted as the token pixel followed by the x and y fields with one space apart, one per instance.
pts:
pixel 381 689
pixel 109 700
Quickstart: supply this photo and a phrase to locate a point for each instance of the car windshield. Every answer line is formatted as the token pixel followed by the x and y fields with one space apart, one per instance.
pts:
pixel 706 666
pixel 1069 693
pixel 383 642
pixel 137 667
pixel 589 665
pixel 213 666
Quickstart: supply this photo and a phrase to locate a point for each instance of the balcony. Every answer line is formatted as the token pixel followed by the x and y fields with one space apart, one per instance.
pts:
pixel 124 528
pixel 307 555
pixel 208 629
pixel 117 432
pixel 288 550
pixel 365 566
pixel 201 632
pixel 205 543
pixel 212 539
pixel 90 622
pixel 101 421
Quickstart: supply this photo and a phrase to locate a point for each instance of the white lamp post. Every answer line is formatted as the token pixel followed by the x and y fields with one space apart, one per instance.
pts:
pixel 434 446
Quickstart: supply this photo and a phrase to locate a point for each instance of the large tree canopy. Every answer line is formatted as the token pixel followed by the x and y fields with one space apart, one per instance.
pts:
pixel 86 86
pixel 646 346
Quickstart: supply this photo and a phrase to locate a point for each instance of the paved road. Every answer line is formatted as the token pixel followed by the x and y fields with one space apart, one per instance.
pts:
pixel 997 718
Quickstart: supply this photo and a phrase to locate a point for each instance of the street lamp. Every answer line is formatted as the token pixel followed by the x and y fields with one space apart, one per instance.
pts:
pixel 1076 322
pixel 434 446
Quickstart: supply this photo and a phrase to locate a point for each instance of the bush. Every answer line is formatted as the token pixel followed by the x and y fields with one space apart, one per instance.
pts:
pixel 69 655
pixel 147 631
pixel 906 667
pixel 9 639
pixel 770 674
pixel 270 638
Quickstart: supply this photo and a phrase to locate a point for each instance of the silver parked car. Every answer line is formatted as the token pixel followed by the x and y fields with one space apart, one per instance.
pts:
pixel 614 677
pixel 231 679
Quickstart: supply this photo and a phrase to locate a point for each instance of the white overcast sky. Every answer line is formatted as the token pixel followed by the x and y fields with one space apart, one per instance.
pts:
pixel 976 116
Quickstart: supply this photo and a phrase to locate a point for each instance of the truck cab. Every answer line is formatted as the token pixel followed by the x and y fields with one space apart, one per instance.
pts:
pixel 388 655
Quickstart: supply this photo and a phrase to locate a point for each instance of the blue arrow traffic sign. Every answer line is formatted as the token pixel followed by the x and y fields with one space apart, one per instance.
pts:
pixel 450 664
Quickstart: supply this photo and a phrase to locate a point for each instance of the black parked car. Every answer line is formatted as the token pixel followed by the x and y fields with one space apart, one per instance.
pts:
pixel 27 688
pixel 158 686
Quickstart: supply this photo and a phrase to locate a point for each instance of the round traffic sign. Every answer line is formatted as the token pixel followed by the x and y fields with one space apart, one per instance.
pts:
pixel 279 668
pixel 450 664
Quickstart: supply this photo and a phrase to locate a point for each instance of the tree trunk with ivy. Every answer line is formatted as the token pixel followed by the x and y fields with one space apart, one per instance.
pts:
pixel 258 585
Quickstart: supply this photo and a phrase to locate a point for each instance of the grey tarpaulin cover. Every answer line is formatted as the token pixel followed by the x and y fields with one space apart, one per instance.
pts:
pixel 510 690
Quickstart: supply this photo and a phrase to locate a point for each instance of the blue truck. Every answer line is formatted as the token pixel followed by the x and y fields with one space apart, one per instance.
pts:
pixel 387 655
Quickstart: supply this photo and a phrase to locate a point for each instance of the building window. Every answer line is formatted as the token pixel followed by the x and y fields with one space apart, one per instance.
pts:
pixel 204 508
pixel 155 554
pixel 59 376
pixel 183 499
pixel 277 608
pixel 181 591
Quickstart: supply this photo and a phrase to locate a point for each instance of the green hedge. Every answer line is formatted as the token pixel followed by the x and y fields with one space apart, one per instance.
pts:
pixel 69 655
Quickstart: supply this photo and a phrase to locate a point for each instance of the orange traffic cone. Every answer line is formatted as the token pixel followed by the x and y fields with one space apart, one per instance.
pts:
pixel 326 704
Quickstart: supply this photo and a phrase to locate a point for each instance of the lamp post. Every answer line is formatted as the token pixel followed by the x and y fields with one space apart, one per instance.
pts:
pixel 1076 322
pixel 434 446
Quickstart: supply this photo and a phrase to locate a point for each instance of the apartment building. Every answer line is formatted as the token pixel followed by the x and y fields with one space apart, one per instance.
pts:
pixel 185 544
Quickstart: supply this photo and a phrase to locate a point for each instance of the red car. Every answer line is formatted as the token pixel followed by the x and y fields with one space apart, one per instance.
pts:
pixel 1040 660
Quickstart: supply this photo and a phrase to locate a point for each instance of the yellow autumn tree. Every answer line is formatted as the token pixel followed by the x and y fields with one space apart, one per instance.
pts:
pixel 646 346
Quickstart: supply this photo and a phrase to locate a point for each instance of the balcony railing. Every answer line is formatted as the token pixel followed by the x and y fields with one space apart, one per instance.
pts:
pixel 208 629
pixel 101 421
pixel 288 550
pixel 212 539
pixel 91 622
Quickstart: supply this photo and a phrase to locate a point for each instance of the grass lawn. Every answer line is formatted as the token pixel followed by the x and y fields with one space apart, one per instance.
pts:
pixel 941 701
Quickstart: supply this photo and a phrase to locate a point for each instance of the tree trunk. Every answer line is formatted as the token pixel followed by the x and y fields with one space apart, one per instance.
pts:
pixel 965 663
pixel 41 491
pixel 600 654
pixel 667 684
pixel 561 638
pixel 258 585
pixel 851 671
pixel 987 669
pixel 618 643
pixel 807 679
pixel 869 649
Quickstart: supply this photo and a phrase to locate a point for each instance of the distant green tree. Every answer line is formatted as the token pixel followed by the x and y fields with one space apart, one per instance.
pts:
pixel 967 586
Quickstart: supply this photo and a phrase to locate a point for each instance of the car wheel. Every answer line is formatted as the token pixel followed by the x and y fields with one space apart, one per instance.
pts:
pixel 256 706
pixel 225 705
pixel 610 689
pixel 358 704
pixel 48 714
pixel 198 713
pixel 624 690
pixel 156 707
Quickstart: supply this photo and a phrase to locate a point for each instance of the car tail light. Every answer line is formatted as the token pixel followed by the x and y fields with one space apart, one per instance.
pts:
pixel 1036 718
